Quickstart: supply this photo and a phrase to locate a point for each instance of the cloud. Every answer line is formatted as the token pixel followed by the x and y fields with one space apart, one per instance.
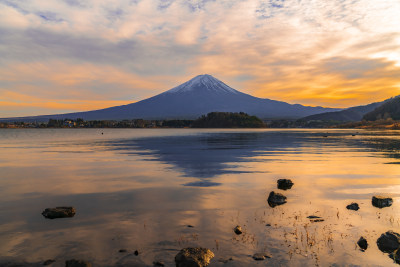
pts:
pixel 334 53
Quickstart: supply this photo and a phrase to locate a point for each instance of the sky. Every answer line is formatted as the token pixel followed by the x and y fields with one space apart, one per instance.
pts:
pixel 70 55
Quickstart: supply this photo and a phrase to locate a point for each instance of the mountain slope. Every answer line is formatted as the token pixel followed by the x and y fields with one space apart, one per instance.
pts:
pixel 350 114
pixel 198 96
pixel 390 109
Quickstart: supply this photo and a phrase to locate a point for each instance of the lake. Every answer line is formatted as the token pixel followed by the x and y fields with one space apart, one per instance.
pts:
pixel 160 190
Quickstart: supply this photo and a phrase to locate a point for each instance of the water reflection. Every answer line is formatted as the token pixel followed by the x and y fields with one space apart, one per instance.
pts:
pixel 127 189
pixel 205 156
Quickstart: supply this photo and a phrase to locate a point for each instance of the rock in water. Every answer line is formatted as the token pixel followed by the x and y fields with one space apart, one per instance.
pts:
pixel 238 230
pixel 314 218
pixel 362 243
pixel 353 206
pixel 285 184
pixel 158 263
pixel 388 242
pixel 59 212
pixel 77 263
pixel 396 256
pixel 193 257
pixel 48 262
pixel 261 256
pixel 382 202
pixel 275 199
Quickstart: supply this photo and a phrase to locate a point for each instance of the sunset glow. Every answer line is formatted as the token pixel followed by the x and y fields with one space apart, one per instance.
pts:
pixel 71 55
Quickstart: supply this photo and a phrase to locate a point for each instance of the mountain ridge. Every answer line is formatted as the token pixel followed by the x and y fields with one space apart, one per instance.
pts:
pixel 198 96
pixel 350 114
pixel 390 108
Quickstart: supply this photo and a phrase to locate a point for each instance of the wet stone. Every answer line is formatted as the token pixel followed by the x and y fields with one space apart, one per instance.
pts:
pixel 223 260
pixel 388 242
pixel 285 184
pixel 48 262
pixel 382 202
pixel 238 230
pixel 275 199
pixel 396 256
pixel 353 206
pixel 314 218
pixel 59 212
pixel 193 257
pixel 77 263
pixel 362 243
pixel 261 256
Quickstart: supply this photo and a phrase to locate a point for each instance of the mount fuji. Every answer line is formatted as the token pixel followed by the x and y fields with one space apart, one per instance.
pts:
pixel 196 97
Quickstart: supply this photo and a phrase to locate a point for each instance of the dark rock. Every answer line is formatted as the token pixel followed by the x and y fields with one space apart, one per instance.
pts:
pixel 268 224
pixel 59 212
pixel 48 262
pixel 362 243
pixel 122 251
pixel 314 218
pixel 388 242
pixel 238 230
pixel 396 256
pixel 353 206
pixel 193 257
pixel 285 184
pixel 275 199
pixel 190 226
pixel 77 263
pixel 225 260
pixel 136 253
pixel 158 263
pixel 261 256
pixel 382 202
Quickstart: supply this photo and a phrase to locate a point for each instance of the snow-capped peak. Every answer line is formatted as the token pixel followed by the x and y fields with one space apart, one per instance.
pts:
pixel 203 82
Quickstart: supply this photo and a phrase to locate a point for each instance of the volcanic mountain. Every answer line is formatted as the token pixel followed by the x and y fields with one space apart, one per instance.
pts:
pixel 196 97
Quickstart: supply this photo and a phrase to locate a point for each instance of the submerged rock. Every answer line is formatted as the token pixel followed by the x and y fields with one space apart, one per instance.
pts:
pixel 285 184
pixel 59 212
pixel 193 257
pixel 353 206
pixel 261 256
pixel 77 263
pixel 314 218
pixel 362 243
pixel 224 260
pixel 388 242
pixel 48 262
pixel 275 199
pixel 382 202
pixel 238 230
pixel 396 256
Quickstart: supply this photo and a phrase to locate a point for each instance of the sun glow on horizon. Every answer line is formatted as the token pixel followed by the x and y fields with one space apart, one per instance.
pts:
pixel 62 56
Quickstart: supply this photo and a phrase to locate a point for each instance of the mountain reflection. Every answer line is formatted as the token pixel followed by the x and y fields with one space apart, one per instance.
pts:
pixel 207 155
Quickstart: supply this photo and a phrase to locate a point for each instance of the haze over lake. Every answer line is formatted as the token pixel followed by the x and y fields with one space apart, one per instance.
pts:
pixel 139 189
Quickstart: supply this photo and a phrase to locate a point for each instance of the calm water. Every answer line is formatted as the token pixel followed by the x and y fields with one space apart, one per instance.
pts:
pixel 139 189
